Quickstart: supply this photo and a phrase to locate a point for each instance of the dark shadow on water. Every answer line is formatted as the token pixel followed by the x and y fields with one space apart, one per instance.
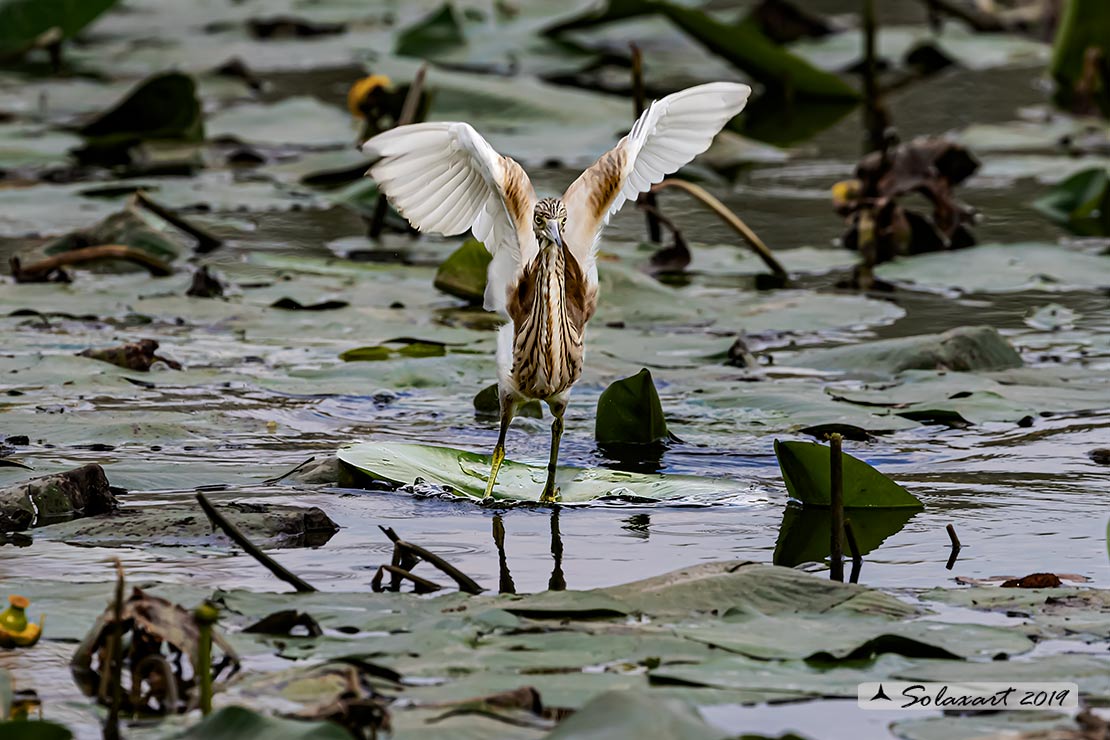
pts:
pixel 557 582
pixel 505 584
pixel 639 525
pixel 630 458
pixel 804 533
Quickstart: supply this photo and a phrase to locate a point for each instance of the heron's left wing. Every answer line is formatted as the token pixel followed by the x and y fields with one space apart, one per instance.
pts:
pixel 669 134
pixel 445 178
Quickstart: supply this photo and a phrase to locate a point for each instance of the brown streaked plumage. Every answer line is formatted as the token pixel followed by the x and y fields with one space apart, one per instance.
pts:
pixel 446 178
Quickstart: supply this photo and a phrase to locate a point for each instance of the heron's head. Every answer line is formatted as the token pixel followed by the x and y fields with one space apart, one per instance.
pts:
pixel 548 221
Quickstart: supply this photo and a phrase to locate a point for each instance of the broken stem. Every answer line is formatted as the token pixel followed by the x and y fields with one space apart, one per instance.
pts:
pixel 249 547
pixel 836 504
pixel 465 582
pixel 955 553
pixel 205 242
pixel 420 585
pixel 39 271
pixel 729 218
pixel 408 114
pixel 115 660
pixel 655 234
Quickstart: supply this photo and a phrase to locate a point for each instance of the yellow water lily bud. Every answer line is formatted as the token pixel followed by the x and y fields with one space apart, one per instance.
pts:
pixel 15 630
pixel 363 89
pixel 845 192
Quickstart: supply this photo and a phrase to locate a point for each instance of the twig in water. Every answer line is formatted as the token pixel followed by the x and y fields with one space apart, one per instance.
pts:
pixel 655 234
pixel 465 582
pixel 283 476
pixel 857 559
pixel 114 670
pixel 408 115
pixel 205 615
pixel 249 547
pixel 41 271
pixel 955 546
pixel 420 585
pixel 205 242
pixel 836 505
pixel 729 218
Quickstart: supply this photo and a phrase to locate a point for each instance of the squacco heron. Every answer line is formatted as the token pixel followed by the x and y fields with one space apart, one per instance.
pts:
pixel 445 178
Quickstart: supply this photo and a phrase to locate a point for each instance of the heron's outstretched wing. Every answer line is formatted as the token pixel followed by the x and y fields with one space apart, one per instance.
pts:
pixel 669 134
pixel 445 178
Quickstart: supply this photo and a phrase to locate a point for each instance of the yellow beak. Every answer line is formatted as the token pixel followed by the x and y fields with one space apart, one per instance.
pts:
pixel 553 232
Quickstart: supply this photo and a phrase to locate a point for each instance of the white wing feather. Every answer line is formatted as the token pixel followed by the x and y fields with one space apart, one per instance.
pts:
pixel 669 134
pixel 446 179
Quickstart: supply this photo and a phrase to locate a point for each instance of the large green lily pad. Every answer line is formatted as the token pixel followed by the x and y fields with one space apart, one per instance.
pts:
pixel 465 474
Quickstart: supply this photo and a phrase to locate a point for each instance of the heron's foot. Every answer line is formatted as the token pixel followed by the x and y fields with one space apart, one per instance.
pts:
pixel 550 493
pixel 498 458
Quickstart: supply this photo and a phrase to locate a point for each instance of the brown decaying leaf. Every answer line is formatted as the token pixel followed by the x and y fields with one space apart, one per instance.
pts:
pixel 161 633
pixel 83 491
pixel 138 355
pixel 880 227
pixel 1034 580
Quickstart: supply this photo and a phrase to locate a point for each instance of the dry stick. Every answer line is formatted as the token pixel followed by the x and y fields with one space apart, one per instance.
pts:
pixel 728 217
pixel 955 546
pixel 466 583
pixel 38 270
pixel 205 241
pixel 250 548
pixel 420 585
pixel 408 115
pixel 655 234
pixel 115 660
pixel 857 559
pixel 836 504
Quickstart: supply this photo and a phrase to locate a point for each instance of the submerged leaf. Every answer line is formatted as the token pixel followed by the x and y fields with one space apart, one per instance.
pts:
pixel 805 470
pixel 164 106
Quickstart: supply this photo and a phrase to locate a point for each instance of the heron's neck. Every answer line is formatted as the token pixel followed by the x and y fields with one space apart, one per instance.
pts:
pixel 550 285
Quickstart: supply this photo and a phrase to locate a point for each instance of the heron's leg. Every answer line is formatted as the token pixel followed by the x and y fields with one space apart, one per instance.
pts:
pixel 499 450
pixel 550 492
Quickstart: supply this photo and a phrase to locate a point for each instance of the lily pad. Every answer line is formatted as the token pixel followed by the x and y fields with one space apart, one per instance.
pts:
pixel 463 273
pixel 234 723
pixel 1080 203
pixel 163 106
pixel 298 121
pixel 625 714
pixel 23 21
pixel 465 474
pixel 805 469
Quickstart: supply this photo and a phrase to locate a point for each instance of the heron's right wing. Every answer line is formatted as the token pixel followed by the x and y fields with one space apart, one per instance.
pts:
pixel 445 178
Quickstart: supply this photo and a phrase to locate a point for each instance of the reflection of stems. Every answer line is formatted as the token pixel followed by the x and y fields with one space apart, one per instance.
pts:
pixel 250 548
pixel 836 504
pixel 39 271
pixel 505 584
pixel 729 218
pixel 115 661
pixel 655 234
pixel 466 583
pixel 420 585
pixel 857 559
pixel 205 615
pixel 557 582
pixel 955 546
pixel 408 114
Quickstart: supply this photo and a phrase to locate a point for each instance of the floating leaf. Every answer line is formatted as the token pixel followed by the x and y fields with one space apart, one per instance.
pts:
pixel 629 412
pixel 463 273
pixel 163 106
pixel 234 723
pixel 805 469
pixel 1080 203
pixel 34 730
pixel 466 473
pixel 405 348
pixel 440 29
pixel 487 403
pixel 23 21
pixel 627 714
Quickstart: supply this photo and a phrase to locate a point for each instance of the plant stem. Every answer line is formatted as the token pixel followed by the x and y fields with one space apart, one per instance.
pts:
pixel 249 547
pixel 836 504
pixel 465 582
pixel 729 218
pixel 115 660
pixel 655 234
pixel 39 271
pixel 205 241
pixel 955 553
pixel 206 616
